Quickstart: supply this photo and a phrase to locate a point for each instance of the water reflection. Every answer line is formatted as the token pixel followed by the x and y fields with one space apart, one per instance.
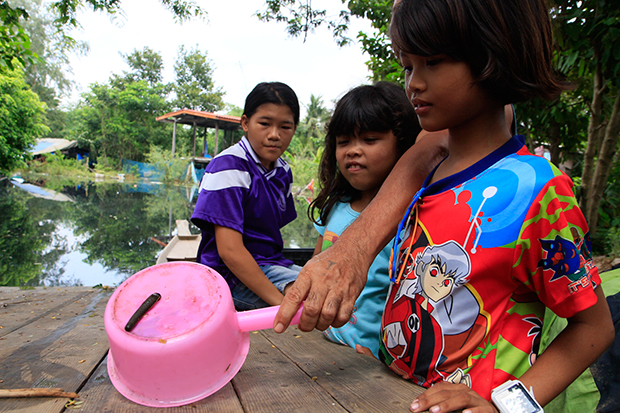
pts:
pixel 109 231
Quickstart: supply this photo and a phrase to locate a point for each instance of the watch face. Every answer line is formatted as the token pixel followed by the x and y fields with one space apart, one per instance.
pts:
pixel 516 399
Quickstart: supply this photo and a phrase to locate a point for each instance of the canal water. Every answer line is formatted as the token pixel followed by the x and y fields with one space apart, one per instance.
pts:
pixel 97 233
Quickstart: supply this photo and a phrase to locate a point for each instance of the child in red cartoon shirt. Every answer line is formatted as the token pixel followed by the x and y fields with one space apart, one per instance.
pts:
pixel 495 235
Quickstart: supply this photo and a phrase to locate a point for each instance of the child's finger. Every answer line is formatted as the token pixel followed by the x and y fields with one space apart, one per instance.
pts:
pixel 364 350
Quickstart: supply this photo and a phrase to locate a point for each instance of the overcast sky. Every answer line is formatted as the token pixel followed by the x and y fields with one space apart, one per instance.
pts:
pixel 243 50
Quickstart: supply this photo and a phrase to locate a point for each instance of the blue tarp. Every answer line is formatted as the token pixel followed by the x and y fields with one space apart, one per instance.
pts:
pixel 145 170
pixel 41 145
pixel 195 174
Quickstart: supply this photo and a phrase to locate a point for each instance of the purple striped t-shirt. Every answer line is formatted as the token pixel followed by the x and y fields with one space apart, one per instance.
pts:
pixel 238 192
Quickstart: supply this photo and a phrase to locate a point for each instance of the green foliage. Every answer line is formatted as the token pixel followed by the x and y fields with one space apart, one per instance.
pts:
pixel 588 36
pixel 310 132
pixel 21 119
pixel 383 63
pixel 561 126
pixel 20 242
pixel 115 228
pixel 47 74
pixel 583 28
pixel 301 18
pixel 20 40
pixel 14 41
pixel 613 237
pixel 301 232
pixel 58 165
pixel 117 120
pixel 112 223
pixel 174 167
pixel 146 64
pixel 194 86
pixel 182 10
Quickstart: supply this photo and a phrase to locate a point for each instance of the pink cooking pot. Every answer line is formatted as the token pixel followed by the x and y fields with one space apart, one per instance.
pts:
pixel 175 336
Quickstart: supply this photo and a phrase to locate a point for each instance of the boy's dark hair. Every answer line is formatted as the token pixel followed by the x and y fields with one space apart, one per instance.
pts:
pixel 506 43
pixel 271 92
pixel 381 107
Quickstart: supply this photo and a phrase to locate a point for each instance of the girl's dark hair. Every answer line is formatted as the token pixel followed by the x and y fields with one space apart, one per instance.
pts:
pixel 381 107
pixel 271 92
pixel 506 43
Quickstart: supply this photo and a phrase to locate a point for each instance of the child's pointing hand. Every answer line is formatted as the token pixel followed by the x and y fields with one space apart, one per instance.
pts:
pixel 449 397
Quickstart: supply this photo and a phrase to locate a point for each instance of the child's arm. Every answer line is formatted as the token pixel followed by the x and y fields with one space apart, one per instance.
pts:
pixel 588 334
pixel 239 260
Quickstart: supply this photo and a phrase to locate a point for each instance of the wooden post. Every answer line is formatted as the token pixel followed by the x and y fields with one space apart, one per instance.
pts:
pixel 205 150
pixel 217 137
pixel 194 140
pixel 174 136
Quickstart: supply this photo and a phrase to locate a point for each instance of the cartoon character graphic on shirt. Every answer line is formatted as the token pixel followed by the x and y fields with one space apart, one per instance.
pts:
pixel 568 258
pixel 430 321
pixel 412 332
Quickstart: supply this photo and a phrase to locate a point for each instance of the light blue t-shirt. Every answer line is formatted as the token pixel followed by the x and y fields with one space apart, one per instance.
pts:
pixel 365 324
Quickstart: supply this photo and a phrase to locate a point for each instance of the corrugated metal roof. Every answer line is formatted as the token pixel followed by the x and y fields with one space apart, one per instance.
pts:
pixel 49 145
pixel 203 119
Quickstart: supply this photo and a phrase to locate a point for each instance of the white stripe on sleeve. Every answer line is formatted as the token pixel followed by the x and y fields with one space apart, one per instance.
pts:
pixel 230 178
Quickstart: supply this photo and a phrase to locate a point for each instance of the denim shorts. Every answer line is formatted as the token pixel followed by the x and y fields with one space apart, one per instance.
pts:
pixel 245 299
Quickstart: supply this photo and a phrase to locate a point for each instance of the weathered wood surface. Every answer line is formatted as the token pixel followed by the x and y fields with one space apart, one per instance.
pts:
pixel 55 338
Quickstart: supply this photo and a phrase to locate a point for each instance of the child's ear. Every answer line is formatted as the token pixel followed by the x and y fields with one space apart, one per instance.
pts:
pixel 244 123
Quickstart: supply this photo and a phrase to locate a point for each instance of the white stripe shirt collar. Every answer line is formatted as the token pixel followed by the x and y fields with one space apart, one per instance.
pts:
pixel 280 163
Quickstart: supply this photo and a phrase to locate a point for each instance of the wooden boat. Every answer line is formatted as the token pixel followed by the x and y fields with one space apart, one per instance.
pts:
pixel 184 247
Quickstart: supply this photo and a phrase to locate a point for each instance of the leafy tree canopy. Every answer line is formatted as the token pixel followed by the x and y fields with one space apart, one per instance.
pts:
pixel 182 10
pixel 194 86
pixel 21 118
pixel 146 64
pixel 14 42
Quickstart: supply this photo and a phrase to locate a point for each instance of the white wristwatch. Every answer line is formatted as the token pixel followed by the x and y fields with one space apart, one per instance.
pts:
pixel 514 397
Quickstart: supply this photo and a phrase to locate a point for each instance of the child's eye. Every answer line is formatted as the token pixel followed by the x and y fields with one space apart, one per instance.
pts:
pixel 263 123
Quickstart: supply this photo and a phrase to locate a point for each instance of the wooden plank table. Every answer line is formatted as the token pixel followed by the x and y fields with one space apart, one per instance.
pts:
pixel 55 337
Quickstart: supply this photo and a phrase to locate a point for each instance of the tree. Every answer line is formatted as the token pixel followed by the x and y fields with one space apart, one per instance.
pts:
pixel 182 10
pixel 310 132
pixel 14 42
pixel 21 118
pixel 146 64
pixel 118 119
pixel 47 74
pixel 301 19
pixel 589 39
pixel 194 84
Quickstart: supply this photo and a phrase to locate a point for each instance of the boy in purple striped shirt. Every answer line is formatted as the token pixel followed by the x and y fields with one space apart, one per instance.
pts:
pixel 245 198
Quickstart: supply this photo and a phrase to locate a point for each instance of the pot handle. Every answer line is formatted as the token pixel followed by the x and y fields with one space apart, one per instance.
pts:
pixel 262 318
